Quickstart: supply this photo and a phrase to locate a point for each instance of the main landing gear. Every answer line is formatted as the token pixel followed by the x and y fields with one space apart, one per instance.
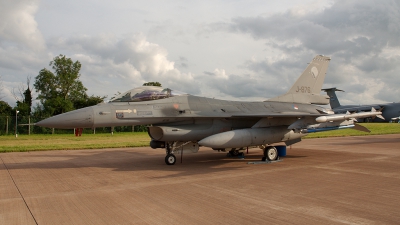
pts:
pixel 270 154
pixel 235 153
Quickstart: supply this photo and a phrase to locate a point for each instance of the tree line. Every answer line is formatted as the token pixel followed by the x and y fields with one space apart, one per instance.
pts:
pixel 59 90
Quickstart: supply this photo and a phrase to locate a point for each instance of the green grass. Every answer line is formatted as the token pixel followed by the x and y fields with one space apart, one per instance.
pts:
pixel 69 141
pixel 42 142
pixel 375 128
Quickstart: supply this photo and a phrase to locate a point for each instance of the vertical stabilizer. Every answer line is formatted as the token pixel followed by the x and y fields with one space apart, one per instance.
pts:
pixel 307 88
pixel 333 99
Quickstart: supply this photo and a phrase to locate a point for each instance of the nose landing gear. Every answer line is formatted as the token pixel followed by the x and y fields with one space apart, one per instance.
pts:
pixel 170 159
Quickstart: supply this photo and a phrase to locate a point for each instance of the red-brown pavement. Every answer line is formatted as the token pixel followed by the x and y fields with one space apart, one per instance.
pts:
pixel 346 180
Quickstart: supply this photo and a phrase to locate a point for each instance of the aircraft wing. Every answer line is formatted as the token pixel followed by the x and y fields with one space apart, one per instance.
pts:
pixel 278 114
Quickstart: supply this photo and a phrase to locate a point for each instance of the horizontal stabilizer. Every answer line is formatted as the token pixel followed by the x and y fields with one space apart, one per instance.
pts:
pixel 331 89
pixel 292 142
pixel 361 128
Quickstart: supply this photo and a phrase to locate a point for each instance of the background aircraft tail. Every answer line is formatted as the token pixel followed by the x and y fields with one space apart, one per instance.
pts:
pixel 333 99
pixel 307 88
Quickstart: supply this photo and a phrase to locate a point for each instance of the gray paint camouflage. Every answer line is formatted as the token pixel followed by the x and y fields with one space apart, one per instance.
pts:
pixel 184 122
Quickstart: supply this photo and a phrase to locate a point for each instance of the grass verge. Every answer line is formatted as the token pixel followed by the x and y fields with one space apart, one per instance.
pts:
pixel 69 141
pixel 375 128
pixel 140 139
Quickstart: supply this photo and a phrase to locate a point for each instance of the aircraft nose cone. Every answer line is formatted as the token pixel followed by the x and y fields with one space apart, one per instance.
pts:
pixel 80 118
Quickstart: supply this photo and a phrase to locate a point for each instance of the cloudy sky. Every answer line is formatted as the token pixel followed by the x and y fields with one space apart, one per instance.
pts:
pixel 242 49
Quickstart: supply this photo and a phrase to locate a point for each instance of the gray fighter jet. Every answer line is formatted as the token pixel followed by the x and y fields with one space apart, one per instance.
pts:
pixel 180 122
pixel 390 111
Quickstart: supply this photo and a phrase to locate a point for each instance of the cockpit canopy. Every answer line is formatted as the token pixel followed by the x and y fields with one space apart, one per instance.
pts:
pixel 146 93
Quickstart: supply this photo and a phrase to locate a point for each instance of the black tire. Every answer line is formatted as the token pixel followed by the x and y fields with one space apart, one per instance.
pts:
pixel 234 152
pixel 170 159
pixel 271 153
pixel 264 158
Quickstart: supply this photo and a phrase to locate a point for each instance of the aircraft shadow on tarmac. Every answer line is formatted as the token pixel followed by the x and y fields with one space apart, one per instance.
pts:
pixel 131 160
pixel 364 140
pixel 120 160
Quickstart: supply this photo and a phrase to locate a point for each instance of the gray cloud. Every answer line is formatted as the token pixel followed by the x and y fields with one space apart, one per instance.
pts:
pixel 359 35
pixel 236 51
pixel 209 73
pixel 359 27
pixel 183 62
pixel 129 62
pixel 18 27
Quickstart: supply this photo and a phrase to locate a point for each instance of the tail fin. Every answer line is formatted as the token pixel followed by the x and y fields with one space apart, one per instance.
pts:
pixel 333 100
pixel 308 86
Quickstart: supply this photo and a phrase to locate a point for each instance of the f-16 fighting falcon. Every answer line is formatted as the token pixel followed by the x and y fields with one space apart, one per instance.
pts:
pixel 182 122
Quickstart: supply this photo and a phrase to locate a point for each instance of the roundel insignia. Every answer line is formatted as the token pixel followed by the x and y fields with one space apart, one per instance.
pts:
pixel 314 72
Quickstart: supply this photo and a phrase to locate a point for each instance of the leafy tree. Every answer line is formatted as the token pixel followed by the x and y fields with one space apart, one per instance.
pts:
pixel 59 90
pixel 5 116
pixel 28 99
pixel 152 84
pixel 23 108
pixel 24 104
pixel 5 109
pixel 88 101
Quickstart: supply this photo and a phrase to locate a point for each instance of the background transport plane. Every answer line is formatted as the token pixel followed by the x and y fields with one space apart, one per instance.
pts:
pixel 181 122
pixel 390 111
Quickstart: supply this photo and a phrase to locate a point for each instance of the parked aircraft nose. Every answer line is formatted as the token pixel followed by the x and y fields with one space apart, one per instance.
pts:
pixel 80 118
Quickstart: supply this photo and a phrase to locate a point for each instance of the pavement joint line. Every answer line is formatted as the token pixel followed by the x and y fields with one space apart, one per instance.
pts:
pixel 15 184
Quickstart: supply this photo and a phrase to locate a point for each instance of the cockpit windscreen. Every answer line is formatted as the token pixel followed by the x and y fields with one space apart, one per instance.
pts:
pixel 146 93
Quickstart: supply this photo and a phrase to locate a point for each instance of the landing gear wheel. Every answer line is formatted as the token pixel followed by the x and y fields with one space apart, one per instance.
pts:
pixel 234 152
pixel 170 159
pixel 270 153
pixel 264 159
